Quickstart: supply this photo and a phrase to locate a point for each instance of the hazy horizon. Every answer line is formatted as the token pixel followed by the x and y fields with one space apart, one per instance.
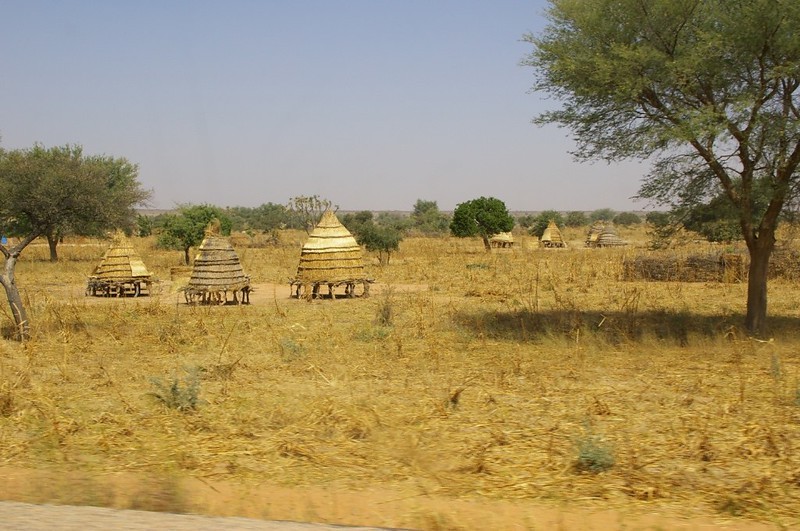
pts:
pixel 371 105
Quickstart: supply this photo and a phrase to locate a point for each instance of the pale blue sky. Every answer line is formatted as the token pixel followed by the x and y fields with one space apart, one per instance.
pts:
pixel 371 104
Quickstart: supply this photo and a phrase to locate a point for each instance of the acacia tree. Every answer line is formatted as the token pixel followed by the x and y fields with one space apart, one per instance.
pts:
pixel 706 88
pixel 186 229
pixel 484 217
pixel 43 191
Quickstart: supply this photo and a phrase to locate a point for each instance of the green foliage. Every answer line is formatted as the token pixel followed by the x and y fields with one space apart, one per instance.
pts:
pixel 484 217
pixel 576 218
pixel 594 455
pixel 265 218
pixel 306 211
pixel 144 226
pixel 543 219
pixel 707 91
pixel 527 221
pixel 58 191
pixel 354 221
pixel 427 219
pixel 602 214
pixel 626 219
pixel 182 396
pixel 187 229
pixel 379 238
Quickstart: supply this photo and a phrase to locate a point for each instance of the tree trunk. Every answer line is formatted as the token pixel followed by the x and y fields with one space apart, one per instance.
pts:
pixel 756 319
pixel 486 243
pixel 186 255
pixel 52 242
pixel 15 300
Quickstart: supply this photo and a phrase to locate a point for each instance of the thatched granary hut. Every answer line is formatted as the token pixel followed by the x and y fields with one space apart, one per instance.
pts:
pixel 551 237
pixel 216 272
pixel 594 233
pixel 608 237
pixel 604 235
pixel 503 240
pixel 120 272
pixel 330 257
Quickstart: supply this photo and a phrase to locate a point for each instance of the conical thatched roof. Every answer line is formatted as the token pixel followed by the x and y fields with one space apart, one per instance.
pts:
pixel 120 262
pixel 217 266
pixel 330 254
pixel 551 237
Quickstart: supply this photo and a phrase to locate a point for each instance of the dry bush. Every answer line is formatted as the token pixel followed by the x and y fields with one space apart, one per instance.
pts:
pixel 472 378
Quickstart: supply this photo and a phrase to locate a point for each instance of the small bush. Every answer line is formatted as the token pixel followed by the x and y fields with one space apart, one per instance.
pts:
pixel 594 455
pixel 174 395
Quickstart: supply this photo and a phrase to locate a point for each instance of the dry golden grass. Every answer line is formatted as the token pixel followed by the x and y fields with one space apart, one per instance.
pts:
pixel 504 377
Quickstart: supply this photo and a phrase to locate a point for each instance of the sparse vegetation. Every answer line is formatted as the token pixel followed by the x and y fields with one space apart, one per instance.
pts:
pixel 472 378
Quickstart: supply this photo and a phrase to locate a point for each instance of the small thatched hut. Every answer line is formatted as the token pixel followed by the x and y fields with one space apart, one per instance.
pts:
pixel 504 240
pixel 551 237
pixel 120 272
pixel 216 272
pixel 608 237
pixel 331 257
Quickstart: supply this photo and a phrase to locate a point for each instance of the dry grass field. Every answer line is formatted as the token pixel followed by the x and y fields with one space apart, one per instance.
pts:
pixel 510 390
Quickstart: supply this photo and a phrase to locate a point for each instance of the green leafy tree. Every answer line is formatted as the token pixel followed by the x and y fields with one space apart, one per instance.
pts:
pixel 144 225
pixel 543 219
pixel 55 191
pixel 706 89
pixel 186 229
pixel 266 217
pixel 484 217
pixel 381 239
pixel 355 220
pixel 576 218
pixel 428 219
pixel 626 219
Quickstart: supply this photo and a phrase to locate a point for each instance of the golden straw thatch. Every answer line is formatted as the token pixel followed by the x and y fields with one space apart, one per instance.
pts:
pixel 608 237
pixel 330 256
pixel 502 240
pixel 551 237
pixel 120 271
pixel 217 271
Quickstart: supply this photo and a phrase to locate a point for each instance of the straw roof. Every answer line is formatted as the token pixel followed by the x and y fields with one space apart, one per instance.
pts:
pixel 330 254
pixel 608 238
pixel 552 236
pixel 216 265
pixel 120 262
pixel 503 237
pixel 594 233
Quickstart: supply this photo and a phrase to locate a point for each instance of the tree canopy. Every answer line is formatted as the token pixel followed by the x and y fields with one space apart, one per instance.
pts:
pixel 706 89
pixel 56 191
pixel 484 217
pixel 186 229
pixel 60 191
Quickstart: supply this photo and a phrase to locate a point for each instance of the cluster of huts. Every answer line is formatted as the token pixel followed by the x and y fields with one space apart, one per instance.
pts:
pixel 601 234
pixel 331 260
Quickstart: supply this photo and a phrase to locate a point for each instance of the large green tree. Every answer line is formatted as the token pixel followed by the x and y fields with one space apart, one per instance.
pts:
pixel 55 191
pixel 707 89
pixel 186 229
pixel 484 217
